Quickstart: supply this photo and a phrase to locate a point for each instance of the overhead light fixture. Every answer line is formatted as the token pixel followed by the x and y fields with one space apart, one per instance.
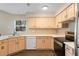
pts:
pixel 45 7
pixel 28 4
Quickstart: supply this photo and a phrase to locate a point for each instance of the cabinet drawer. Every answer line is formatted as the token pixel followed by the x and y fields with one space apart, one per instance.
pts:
pixel 69 50
pixel 3 47
pixel 3 41
pixel 68 54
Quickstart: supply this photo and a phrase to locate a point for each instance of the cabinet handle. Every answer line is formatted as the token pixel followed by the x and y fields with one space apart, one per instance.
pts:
pixel 2 42
pixel 2 47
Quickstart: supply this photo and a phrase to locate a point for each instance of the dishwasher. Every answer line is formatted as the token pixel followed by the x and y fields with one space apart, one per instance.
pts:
pixel 30 42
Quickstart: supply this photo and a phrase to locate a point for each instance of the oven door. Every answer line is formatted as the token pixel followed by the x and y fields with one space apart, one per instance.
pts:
pixel 59 48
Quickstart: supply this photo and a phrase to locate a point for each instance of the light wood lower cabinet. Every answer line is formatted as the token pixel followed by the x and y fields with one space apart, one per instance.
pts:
pixel 20 43
pixel 16 44
pixel 39 42
pixel 12 45
pixel 47 43
pixel 3 47
pixel 44 42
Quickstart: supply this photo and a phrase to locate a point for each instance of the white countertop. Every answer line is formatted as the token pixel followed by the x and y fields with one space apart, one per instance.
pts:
pixel 4 37
pixel 53 35
pixel 9 36
pixel 71 44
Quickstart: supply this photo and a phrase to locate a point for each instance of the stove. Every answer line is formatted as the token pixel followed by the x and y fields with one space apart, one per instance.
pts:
pixel 59 45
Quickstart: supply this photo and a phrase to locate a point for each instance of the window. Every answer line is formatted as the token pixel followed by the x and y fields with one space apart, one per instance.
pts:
pixel 20 25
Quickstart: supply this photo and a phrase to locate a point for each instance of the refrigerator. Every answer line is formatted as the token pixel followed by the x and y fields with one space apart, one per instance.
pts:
pixel 77 31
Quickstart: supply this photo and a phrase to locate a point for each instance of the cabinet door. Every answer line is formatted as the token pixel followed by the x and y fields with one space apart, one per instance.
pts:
pixel 70 11
pixel 4 48
pixel 51 23
pixel 41 22
pixel 69 51
pixel 12 45
pixel 21 43
pixel 64 15
pixel 47 44
pixel 40 42
pixel 58 21
pixel 52 43
pixel 31 22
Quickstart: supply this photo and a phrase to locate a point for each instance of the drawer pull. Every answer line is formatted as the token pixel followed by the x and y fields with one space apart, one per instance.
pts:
pixel 2 47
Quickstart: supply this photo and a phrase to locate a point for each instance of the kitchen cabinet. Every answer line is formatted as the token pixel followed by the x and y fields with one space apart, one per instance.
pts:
pixel 12 45
pixel 69 51
pixel 47 43
pixel 40 42
pixel 16 44
pixel 31 22
pixel 45 22
pixel 58 21
pixel 20 43
pixel 71 12
pixel 44 42
pixel 64 15
pixel 41 22
pixel 51 23
pixel 3 47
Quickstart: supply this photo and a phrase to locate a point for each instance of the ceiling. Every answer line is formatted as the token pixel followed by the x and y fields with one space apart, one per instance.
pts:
pixel 32 9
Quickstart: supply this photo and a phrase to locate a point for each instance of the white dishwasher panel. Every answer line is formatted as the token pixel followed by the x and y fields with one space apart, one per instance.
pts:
pixel 31 42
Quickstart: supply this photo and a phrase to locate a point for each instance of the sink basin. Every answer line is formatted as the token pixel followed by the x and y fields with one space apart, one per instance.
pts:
pixel 3 37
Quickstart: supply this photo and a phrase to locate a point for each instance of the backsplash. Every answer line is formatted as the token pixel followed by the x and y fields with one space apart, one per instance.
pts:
pixel 41 31
pixel 62 30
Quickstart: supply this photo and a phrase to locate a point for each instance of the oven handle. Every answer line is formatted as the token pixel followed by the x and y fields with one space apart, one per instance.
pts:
pixel 59 43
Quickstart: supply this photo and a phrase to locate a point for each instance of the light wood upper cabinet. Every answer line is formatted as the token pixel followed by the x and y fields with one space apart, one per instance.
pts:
pixel 39 42
pixel 66 15
pixel 71 11
pixel 31 22
pixel 4 47
pixel 58 21
pixel 63 15
pixel 51 23
pixel 16 44
pixel 41 22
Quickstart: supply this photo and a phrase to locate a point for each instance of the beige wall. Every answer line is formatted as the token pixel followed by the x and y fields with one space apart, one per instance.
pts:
pixel 6 23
